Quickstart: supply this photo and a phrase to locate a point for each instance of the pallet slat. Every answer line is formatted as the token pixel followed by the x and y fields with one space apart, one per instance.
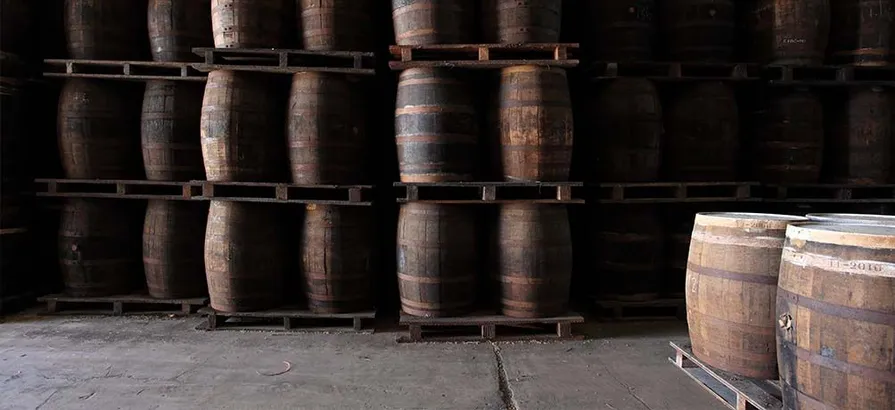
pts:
pixel 119 304
pixel 486 326
pixel 483 55
pixel 287 317
pixel 490 192
pixel 657 192
pixel 285 61
pixel 122 70
pixel 675 71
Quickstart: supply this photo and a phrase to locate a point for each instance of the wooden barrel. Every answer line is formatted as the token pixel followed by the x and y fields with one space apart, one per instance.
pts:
pixel 535 124
pixel 105 29
pixel 436 127
pixel 437 259
pixel 173 249
pixel 422 22
pixel 517 22
pixel 172 150
pixel 791 32
pixel 836 317
pixel 703 119
pixel 97 128
pixel 326 129
pixel 176 26
pixel 622 30
pixel 337 258
pixel 700 30
pixel 241 139
pixel 789 139
pixel 627 132
pixel 853 219
pixel 628 251
pixel 244 262
pixel 248 23
pixel 534 260
pixel 341 25
pixel 99 248
pixel 860 146
pixel 731 282
pixel 861 32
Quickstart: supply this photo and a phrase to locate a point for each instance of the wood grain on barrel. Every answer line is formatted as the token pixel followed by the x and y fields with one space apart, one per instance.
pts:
pixel 836 317
pixel 176 26
pixel 249 23
pixel 860 146
pixel 341 25
pixel 326 129
pixel 791 32
pixel 699 30
pixel 421 22
pixel 436 127
pixel 628 252
pixel 621 30
pixel 172 150
pixel 861 31
pixel 105 29
pixel 173 249
pixel 536 126
pixel 337 258
pixel 437 259
pixel 789 138
pixel 731 285
pixel 516 22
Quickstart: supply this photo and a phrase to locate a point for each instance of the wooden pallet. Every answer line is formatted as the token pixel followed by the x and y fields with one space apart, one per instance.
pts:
pixel 737 393
pixel 290 319
pixel 657 192
pixel 121 70
pixel 829 75
pixel 490 192
pixel 484 55
pixel 285 61
pixel 675 71
pixel 648 310
pixel 486 326
pixel 113 188
pixel 134 304
pixel 829 193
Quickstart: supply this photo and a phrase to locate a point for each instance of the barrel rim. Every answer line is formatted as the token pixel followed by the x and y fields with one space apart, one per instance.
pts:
pixel 844 234
pixel 747 219
pixel 852 219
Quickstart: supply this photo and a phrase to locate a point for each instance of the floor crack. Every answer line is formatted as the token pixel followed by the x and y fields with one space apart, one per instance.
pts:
pixel 503 383
pixel 625 385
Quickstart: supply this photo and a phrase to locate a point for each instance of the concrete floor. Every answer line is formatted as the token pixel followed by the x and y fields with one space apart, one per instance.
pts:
pixel 160 363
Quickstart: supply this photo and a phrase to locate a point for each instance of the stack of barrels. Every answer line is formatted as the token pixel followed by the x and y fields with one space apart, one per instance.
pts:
pixel 806 300
pixel 438 134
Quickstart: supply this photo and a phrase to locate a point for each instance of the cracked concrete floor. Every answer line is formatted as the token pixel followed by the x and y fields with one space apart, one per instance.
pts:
pixel 160 363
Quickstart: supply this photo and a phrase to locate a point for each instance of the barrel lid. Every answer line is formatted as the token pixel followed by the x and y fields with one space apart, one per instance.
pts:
pixel 747 220
pixel 862 219
pixel 860 235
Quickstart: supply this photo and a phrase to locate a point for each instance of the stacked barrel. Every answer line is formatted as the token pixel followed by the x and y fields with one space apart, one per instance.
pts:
pixel 527 137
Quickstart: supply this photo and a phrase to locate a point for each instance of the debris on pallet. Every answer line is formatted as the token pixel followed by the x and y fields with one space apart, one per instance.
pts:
pixel 289 319
pixel 486 326
pixel 135 304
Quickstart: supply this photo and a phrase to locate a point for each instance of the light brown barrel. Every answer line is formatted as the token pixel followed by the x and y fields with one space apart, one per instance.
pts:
pixel 436 127
pixel 627 246
pixel 699 30
pixel 437 259
pixel 337 258
pixel 241 139
pixel 836 317
pixel 853 219
pixel 98 128
pixel 173 241
pixel 860 145
pixel 789 138
pixel 517 22
pixel 248 23
pixel 176 26
pixel 326 129
pixel 105 29
pixel 791 32
pixel 172 150
pixel 534 260
pixel 536 126
pixel 731 284
pixel 421 22
pixel 861 32
pixel 244 262
pixel 341 25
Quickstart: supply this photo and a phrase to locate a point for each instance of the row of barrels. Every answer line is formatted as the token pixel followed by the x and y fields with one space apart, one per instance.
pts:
pixel 238 253
pixel 808 300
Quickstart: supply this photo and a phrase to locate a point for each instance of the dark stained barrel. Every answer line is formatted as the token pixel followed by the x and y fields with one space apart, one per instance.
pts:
pixel 861 32
pixel 421 22
pixel 343 25
pixel 516 22
pixel 105 29
pixel 703 119
pixel 244 262
pixel 172 150
pixel 326 130
pixel 854 219
pixel 627 132
pixel 437 259
pixel 241 140
pixel 836 317
pixel 699 30
pixel 176 26
pixel 534 260
pixel 98 128
pixel 248 23
pixel 791 32
pixel 622 30
pixel 337 258
pixel 99 248
pixel 173 249
pixel 628 250
pixel 536 126
pixel 789 138
pixel 860 146
pixel 731 284
pixel 436 127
